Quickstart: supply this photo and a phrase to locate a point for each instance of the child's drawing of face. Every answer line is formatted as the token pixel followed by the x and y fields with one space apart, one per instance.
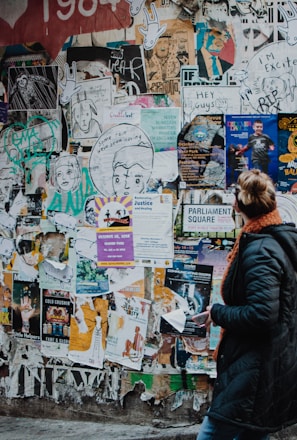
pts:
pixel 132 168
pixel 122 161
pixel 129 180
pixel 66 177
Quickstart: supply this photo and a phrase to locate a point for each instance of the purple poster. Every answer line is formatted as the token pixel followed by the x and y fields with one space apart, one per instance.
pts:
pixel 114 232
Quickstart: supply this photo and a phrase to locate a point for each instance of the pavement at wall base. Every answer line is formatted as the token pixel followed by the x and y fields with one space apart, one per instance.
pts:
pixel 21 428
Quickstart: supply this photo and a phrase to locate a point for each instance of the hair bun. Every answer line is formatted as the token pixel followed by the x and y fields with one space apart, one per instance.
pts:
pixel 257 193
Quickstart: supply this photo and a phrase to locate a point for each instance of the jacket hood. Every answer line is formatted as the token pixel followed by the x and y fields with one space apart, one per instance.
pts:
pixel 286 235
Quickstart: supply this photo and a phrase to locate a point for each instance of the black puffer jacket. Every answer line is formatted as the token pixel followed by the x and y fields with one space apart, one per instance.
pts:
pixel 256 384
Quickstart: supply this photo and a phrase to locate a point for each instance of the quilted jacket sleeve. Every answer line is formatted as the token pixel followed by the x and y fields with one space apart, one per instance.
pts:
pixel 255 295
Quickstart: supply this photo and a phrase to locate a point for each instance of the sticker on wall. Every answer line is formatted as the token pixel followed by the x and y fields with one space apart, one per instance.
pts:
pixel 290 18
pixel 70 86
pixel 55 325
pixel 135 6
pixel 215 49
pixel 114 232
pixel 22 20
pixel 287 157
pixel 32 87
pixel 272 76
pixel 209 100
pixel 152 30
pixel 201 153
pixel 251 142
pixel 26 310
pixel 121 161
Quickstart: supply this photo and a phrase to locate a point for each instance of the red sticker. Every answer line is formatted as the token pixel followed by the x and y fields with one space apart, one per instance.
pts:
pixel 50 24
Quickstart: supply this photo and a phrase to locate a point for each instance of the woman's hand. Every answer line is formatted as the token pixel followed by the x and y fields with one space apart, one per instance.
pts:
pixel 209 319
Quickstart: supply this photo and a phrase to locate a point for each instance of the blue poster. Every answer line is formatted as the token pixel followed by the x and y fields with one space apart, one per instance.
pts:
pixel 251 142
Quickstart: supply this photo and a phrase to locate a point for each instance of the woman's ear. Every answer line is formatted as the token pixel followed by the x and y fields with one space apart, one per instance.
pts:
pixel 235 205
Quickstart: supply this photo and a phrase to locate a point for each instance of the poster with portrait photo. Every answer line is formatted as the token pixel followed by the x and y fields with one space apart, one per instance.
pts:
pixel 26 310
pixel 255 143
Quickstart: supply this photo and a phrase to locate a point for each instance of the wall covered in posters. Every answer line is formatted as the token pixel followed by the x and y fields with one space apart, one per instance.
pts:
pixel 121 140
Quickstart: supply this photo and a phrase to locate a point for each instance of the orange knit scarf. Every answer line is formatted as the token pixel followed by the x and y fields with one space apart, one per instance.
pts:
pixel 254 225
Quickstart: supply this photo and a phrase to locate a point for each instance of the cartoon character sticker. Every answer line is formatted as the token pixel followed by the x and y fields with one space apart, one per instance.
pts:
pixel 271 78
pixel 126 153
